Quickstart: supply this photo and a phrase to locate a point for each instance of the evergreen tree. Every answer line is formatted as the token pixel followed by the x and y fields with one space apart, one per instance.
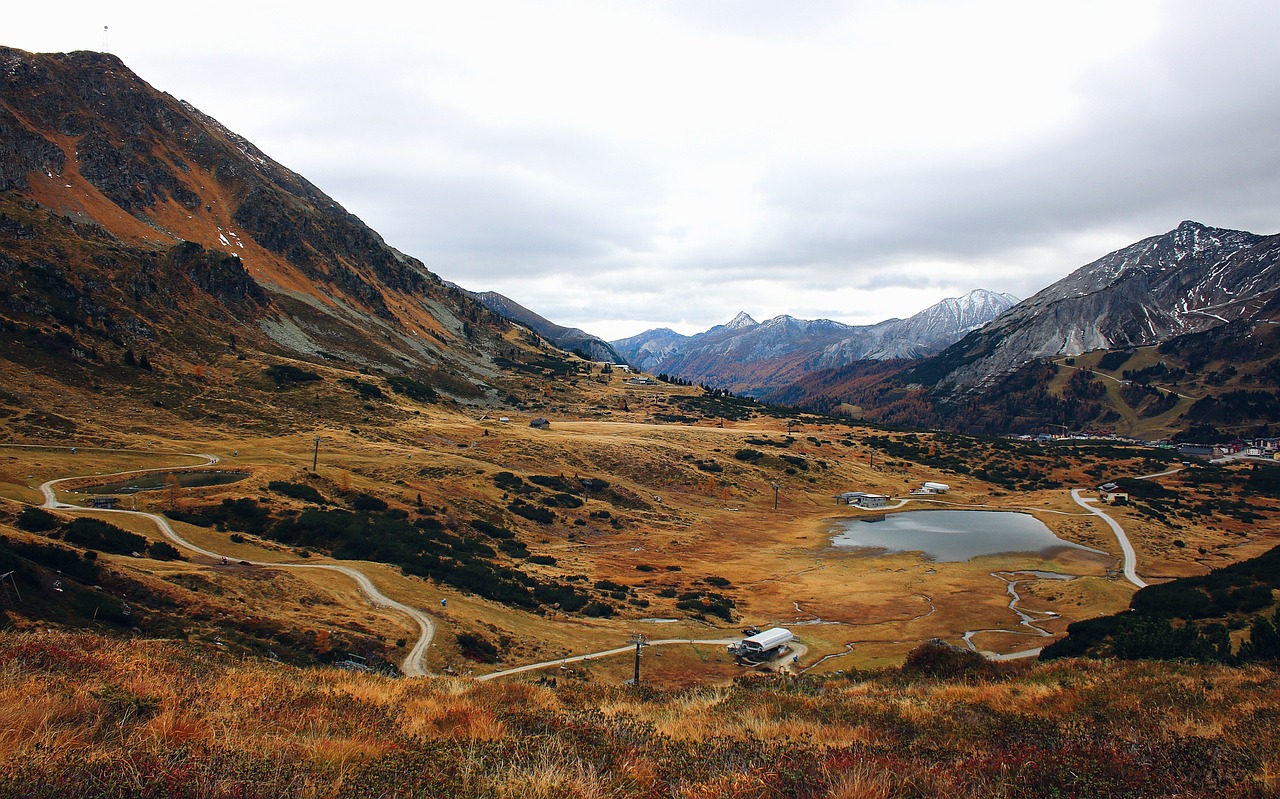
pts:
pixel 1264 639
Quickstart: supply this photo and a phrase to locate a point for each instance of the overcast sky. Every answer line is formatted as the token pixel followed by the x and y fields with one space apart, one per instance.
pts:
pixel 618 165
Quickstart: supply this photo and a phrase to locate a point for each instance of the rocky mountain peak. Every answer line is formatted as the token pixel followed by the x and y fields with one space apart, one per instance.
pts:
pixel 1184 281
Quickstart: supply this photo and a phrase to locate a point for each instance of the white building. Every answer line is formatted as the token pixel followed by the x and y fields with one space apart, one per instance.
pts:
pixel 762 645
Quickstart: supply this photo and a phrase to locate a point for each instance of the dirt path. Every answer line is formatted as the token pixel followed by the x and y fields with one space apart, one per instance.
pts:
pixel 1130 557
pixel 413 664
pixel 602 654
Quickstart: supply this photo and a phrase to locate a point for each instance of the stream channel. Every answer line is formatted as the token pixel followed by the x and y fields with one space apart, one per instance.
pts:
pixel 959 535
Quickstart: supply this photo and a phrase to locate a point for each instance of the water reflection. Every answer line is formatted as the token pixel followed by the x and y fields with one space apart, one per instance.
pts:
pixel 951 535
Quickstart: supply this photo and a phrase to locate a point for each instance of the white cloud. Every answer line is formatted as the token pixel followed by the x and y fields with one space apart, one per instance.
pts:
pixel 619 165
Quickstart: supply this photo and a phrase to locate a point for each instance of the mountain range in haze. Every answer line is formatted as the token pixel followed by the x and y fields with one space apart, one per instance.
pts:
pixel 752 358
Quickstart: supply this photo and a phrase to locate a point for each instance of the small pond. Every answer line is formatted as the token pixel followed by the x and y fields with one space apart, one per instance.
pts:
pixel 950 535
pixel 157 480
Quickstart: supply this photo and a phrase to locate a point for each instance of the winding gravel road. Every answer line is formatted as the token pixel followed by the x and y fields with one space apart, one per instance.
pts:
pixel 413 664
pixel 1130 557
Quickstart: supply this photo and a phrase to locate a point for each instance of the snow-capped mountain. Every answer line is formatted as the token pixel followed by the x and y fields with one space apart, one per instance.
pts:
pixel 752 357
pixel 1187 280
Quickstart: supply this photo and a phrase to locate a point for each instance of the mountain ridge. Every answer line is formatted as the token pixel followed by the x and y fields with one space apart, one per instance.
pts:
pixel 1185 281
pixel 116 182
pixel 1180 326
pixel 755 357
pixel 570 339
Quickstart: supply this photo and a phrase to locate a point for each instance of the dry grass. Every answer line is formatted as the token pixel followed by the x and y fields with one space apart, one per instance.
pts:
pixel 85 716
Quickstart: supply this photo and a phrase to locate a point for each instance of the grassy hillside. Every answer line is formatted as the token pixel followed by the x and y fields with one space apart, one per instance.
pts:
pixel 87 716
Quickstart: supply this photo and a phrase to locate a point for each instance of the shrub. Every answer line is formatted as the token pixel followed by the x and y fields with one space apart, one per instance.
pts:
pixel 598 610
pixel 368 504
pixel 36 520
pixel 51 556
pixel 562 501
pixel 531 512
pixel 547 481
pixel 477 648
pixel 243 514
pixel 513 548
pixel 939 659
pixel 491 530
pixel 95 534
pixel 197 519
pixel 300 491
pixel 286 374
pixel 413 389
pixel 365 390
pixel 511 482
pixel 163 550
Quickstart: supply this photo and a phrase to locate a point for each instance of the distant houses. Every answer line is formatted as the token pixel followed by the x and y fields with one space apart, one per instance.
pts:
pixel 540 423
pixel 862 499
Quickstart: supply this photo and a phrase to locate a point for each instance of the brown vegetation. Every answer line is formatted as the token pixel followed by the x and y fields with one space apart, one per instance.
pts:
pixel 87 716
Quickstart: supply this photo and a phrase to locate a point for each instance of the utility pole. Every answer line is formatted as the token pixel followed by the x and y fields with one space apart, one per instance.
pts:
pixel 638 639
pixel 776 487
pixel 315 456
pixel 14 582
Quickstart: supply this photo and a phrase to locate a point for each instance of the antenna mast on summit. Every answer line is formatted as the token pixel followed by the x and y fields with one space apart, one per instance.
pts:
pixel 104 39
